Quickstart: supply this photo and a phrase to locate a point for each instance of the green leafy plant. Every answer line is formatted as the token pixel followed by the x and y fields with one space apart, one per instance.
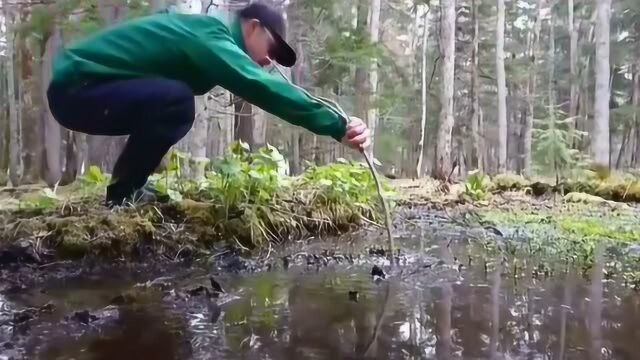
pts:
pixel 94 177
pixel 476 185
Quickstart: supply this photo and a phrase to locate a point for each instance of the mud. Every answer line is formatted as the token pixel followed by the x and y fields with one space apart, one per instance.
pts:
pixel 333 298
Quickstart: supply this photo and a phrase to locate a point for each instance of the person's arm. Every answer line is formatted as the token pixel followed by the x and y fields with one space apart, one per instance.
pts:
pixel 223 63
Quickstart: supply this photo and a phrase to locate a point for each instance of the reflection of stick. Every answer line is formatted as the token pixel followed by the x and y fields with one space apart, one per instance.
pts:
pixel 336 107
pixel 377 328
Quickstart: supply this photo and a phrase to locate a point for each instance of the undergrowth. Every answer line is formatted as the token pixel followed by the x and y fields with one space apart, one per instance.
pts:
pixel 243 197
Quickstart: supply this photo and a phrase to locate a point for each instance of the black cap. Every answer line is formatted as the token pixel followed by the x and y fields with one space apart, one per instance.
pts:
pixel 273 20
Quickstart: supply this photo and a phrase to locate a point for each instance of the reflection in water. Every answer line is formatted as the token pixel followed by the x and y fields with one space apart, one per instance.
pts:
pixel 136 333
pixel 495 309
pixel 310 315
pixel 595 305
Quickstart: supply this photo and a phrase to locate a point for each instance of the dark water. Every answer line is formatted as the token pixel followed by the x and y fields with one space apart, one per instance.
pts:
pixel 434 306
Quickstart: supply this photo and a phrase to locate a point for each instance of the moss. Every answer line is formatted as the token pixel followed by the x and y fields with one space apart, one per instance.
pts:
pixel 564 234
pixel 507 182
pixel 244 199
pixel 598 229
pixel 578 197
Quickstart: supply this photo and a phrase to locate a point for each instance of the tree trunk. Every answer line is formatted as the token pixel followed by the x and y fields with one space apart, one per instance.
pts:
pixel 15 165
pixel 502 90
pixel 447 49
pixel 244 122
pixel 476 153
pixel 635 159
pixel 626 139
pixel 573 59
pixel 552 67
pixel 372 114
pixel 361 70
pixel 52 139
pixel 222 121
pixel 30 104
pixel 533 56
pixel 296 136
pixel 551 89
pixel 4 129
pixel 423 122
pixel 600 137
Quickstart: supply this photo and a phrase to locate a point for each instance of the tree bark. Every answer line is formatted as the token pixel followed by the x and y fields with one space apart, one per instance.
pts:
pixel 30 120
pixel 502 89
pixel 296 137
pixel 423 121
pixel 361 70
pixel 476 153
pixel 600 137
pixel 635 159
pixel 52 130
pixel 372 114
pixel 15 164
pixel 533 55
pixel 573 60
pixel 447 49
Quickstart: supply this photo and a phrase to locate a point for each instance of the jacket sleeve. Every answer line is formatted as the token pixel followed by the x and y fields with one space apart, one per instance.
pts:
pixel 224 63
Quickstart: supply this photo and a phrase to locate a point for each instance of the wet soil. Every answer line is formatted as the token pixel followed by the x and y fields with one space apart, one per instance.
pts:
pixel 334 298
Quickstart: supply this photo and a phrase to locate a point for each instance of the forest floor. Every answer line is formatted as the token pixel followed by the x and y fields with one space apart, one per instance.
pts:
pixel 40 227
pixel 76 274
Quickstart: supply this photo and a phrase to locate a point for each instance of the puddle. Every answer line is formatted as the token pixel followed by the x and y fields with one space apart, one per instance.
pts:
pixel 434 305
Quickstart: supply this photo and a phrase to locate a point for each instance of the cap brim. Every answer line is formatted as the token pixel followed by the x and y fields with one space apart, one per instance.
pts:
pixel 283 53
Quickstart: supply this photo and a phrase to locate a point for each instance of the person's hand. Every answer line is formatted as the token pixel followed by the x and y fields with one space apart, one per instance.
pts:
pixel 358 135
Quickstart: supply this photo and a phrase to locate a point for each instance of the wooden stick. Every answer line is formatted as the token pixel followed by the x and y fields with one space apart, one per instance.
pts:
pixel 335 106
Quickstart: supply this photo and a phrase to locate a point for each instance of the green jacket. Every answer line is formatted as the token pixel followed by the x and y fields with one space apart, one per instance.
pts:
pixel 200 50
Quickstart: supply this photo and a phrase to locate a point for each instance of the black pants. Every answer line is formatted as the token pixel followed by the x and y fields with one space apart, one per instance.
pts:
pixel 155 113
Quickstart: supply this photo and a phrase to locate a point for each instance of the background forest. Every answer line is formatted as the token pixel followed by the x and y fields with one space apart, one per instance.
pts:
pixel 536 87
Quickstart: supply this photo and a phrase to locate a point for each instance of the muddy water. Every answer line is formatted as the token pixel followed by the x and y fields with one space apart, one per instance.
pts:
pixel 443 301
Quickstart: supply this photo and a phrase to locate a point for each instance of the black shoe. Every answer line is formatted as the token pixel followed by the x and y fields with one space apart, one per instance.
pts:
pixel 144 195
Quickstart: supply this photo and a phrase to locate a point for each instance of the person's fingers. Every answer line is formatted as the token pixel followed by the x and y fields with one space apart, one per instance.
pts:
pixel 366 143
pixel 360 139
pixel 354 121
pixel 356 130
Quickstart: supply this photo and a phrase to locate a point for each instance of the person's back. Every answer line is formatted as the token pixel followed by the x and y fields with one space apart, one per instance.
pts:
pixel 161 45
pixel 139 78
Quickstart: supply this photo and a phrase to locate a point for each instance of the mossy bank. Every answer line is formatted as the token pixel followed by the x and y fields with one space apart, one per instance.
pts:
pixel 243 199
